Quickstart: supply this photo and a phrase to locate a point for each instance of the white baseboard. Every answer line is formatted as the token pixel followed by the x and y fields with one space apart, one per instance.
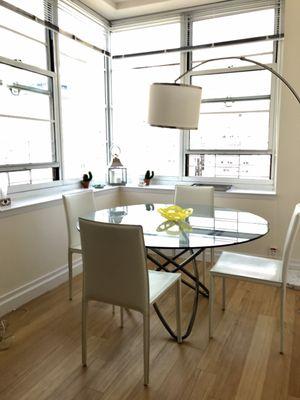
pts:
pixel 22 295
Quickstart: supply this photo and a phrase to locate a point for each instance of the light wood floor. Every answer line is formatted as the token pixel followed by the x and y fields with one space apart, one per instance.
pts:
pixel 241 362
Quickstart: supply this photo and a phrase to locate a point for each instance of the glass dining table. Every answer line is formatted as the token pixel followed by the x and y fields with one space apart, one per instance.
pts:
pixel 206 227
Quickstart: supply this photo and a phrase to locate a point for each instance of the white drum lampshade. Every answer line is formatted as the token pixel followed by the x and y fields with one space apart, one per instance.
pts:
pixel 172 105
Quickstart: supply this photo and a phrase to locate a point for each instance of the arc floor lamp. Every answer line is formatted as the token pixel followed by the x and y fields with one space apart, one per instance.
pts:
pixel 175 105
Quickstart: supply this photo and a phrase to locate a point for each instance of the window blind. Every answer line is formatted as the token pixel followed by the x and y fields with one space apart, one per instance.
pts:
pixel 64 18
pixel 210 10
pixel 215 10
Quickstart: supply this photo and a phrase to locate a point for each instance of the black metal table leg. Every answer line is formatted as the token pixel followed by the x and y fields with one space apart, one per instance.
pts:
pixel 195 277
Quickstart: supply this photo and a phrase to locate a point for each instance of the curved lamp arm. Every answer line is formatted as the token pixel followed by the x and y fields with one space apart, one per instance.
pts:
pixel 175 105
pixel 264 66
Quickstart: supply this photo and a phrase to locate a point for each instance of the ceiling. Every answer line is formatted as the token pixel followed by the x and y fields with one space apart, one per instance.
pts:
pixel 116 9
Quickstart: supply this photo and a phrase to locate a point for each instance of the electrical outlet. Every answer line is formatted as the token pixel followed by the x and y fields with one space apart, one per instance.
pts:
pixel 273 252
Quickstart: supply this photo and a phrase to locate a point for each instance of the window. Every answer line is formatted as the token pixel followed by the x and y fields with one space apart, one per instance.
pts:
pixel 83 96
pixel 64 101
pixel 27 120
pixel 234 138
pixel 43 136
pixel 144 148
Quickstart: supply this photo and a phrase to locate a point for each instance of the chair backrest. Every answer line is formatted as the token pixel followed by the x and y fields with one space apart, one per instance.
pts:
pixel 289 241
pixel 77 205
pixel 114 264
pixel 200 198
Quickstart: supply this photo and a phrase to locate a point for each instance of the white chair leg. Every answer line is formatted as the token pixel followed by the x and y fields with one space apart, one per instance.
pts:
pixel 282 317
pixel 70 266
pixel 83 331
pixel 223 293
pixel 212 257
pixel 211 304
pixel 204 267
pixel 121 317
pixel 178 310
pixel 146 325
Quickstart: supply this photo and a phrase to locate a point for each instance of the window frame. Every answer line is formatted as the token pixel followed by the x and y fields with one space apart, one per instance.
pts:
pixel 55 163
pixel 273 121
pixel 52 72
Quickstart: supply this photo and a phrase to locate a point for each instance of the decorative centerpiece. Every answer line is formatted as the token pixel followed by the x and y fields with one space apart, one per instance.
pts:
pixel 175 213
pixel 86 179
pixel 148 177
pixel 117 173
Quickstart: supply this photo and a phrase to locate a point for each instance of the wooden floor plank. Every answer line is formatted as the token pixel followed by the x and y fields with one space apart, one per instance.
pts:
pixel 241 361
pixel 294 384
pixel 255 368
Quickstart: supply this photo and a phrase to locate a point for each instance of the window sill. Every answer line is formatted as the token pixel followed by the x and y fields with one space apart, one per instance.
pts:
pixel 42 198
pixel 49 197
pixel 231 192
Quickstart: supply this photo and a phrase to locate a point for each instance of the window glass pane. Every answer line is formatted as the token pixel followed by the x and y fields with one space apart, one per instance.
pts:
pixel 229 166
pixel 143 147
pixel 24 141
pixel 233 27
pixel 146 39
pixel 258 51
pixel 41 175
pixel 33 176
pixel 16 96
pixel 234 130
pixel 35 7
pixel 83 110
pixel 22 39
pixel 82 26
pixel 18 23
pixel 19 178
pixel 235 84
pixel 11 76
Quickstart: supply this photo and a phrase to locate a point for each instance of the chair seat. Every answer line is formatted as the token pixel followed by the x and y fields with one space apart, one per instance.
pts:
pixel 248 267
pixel 159 282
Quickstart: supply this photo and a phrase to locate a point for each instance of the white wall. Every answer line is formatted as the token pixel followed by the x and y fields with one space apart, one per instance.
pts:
pixel 33 249
pixel 33 244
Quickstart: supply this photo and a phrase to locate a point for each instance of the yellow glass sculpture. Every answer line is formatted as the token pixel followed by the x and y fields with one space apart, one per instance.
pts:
pixel 174 228
pixel 175 213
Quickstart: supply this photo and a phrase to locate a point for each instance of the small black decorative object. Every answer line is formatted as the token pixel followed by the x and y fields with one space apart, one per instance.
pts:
pixel 148 177
pixel 86 179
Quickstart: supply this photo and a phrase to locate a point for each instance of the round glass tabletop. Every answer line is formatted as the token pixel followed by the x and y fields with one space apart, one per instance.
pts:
pixel 206 227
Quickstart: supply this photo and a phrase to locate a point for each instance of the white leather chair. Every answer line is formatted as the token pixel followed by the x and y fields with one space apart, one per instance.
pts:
pixel 76 204
pixel 115 272
pixel 257 270
pixel 201 199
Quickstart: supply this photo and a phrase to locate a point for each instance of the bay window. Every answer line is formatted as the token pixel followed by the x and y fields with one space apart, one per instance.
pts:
pixel 72 85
